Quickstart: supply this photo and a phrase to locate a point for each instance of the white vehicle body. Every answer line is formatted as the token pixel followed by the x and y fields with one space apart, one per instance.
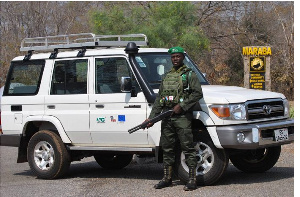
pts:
pixel 1 92
pixel 94 122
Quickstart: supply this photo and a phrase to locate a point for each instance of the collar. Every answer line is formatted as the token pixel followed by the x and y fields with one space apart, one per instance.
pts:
pixel 179 69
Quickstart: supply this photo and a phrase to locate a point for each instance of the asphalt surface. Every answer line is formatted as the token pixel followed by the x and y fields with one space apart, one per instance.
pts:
pixel 87 178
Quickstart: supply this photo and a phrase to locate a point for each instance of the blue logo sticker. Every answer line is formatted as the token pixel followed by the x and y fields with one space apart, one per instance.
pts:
pixel 121 118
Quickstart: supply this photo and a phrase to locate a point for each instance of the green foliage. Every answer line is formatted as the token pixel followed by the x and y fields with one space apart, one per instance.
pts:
pixel 112 21
pixel 292 112
pixel 166 24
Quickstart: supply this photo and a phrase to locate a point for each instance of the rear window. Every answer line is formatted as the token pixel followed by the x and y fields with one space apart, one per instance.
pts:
pixel 24 78
pixel 69 77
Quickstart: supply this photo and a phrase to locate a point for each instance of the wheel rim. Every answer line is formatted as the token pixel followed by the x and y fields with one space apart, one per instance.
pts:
pixel 43 155
pixel 204 156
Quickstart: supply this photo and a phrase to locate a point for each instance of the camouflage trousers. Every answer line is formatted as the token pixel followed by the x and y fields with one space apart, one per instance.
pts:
pixel 178 128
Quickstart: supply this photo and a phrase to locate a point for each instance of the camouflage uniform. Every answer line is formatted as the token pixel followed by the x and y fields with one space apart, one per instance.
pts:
pixel 189 92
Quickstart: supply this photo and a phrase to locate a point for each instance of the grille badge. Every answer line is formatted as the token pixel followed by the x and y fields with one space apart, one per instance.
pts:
pixel 267 109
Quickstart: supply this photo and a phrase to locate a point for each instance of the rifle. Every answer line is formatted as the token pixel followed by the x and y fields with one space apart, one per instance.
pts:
pixel 153 120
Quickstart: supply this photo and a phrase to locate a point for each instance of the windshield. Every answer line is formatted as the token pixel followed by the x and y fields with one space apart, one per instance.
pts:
pixel 155 65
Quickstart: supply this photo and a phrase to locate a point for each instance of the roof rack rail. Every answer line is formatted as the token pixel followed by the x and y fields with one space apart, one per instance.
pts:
pixel 87 40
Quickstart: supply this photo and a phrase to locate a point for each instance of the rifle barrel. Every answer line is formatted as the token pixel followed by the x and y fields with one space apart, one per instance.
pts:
pixel 153 120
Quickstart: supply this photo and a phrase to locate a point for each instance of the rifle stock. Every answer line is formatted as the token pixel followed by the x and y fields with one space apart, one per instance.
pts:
pixel 153 120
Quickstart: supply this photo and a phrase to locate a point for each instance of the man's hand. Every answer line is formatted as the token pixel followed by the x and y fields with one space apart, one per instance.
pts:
pixel 177 109
pixel 150 124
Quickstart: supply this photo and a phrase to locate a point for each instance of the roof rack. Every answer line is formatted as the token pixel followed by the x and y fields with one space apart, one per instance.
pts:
pixel 82 40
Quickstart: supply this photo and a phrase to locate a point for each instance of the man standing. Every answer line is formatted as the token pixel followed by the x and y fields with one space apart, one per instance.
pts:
pixel 179 91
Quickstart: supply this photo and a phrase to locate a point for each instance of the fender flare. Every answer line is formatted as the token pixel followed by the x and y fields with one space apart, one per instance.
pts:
pixel 210 126
pixel 52 119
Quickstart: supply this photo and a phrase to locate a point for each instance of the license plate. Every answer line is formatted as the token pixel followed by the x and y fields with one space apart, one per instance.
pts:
pixel 281 134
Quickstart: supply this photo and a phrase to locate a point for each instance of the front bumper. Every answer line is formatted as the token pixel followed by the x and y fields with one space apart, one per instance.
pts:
pixel 10 140
pixel 257 135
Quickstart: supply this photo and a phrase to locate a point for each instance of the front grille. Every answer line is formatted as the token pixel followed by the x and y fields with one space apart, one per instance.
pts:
pixel 260 109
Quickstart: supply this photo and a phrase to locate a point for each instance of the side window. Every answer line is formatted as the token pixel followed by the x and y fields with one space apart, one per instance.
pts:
pixel 109 72
pixel 24 77
pixel 69 77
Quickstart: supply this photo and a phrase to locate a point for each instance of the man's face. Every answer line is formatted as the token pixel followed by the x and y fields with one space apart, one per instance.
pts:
pixel 177 59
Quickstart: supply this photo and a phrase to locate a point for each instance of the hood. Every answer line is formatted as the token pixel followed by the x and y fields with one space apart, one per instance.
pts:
pixel 214 94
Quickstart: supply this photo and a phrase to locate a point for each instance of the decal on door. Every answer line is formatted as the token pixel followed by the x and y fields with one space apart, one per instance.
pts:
pixel 112 119
pixel 121 118
pixel 101 120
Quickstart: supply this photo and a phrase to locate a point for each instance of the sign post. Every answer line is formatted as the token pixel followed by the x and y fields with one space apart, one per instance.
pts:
pixel 257 67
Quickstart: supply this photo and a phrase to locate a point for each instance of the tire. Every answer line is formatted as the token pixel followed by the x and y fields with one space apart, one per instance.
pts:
pixel 47 156
pixel 259 160
pixel 113 161
pixel 211 161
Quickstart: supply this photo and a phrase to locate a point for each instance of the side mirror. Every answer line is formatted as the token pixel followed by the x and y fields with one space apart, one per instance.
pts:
pixel 126 85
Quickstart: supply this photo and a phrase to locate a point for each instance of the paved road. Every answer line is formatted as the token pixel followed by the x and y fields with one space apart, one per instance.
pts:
pixel 86 178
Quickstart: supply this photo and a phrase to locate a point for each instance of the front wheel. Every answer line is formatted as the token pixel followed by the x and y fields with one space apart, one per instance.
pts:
pixel 47 156
pixel 211 161
pixel 259 160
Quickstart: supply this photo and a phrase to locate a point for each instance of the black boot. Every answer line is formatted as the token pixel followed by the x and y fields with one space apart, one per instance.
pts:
pixel 167 179
pixel 191 185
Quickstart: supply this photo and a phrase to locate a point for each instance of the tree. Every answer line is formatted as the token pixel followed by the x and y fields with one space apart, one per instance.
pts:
pixel 166 24
pixel 233 25
pixel 34 19
pixel 212 32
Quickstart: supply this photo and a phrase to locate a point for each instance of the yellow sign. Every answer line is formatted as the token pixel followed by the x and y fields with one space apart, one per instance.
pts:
pixel 258 86
pixel 256 51
pixel 257 78
pixel 257 64
pixel 257 73
pixel 257 81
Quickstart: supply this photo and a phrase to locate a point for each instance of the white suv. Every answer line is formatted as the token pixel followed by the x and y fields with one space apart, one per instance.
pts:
pixel 81 99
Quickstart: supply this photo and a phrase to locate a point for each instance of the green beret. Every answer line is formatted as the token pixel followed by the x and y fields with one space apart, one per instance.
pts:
pixel 176 50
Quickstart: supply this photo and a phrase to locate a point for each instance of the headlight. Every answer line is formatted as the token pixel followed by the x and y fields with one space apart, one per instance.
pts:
pixel 286 107
pixel 238 112
pixel 230 112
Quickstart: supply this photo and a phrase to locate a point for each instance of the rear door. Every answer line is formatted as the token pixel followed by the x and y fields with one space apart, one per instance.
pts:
pixel 68 98
pixel 21 96
pixel 113 112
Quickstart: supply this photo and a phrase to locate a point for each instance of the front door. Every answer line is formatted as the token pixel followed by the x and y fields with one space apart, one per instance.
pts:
pixel 113 112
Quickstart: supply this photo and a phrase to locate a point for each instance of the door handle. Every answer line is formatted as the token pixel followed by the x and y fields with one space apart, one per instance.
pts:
pixel 100 106
pixel 132 106
pixel 16 108
pixel 51 106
